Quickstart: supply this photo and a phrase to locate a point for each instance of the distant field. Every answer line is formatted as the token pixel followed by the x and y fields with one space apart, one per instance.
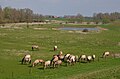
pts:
pixel 16 41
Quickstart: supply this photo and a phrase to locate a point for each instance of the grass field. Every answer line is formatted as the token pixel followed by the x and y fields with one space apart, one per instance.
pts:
pixel 16 42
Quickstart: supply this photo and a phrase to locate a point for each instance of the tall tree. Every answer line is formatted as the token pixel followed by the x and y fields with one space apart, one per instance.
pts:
pixel 1 15
pixel 79 17
pixel 22 15
pixel 28 15
pixel 8 14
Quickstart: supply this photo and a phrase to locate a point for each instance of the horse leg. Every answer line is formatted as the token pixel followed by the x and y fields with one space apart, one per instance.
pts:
pixel 32 48
pixel 23 60
pixel 29 60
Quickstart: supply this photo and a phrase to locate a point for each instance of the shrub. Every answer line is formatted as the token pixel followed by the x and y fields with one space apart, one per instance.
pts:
pixel 85 30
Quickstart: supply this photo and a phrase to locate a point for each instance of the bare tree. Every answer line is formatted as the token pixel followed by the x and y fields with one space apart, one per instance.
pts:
pixel 1 15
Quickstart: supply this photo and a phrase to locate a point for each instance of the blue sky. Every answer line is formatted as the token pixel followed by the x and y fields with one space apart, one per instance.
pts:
pixel 65 7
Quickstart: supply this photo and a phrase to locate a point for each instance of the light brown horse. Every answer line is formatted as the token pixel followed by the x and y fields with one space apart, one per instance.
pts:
pixel 46 64
pixel 37 61
pixel 35 47
pixel 57 63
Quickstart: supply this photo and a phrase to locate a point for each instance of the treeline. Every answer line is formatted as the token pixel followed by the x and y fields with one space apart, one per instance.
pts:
pixel 106 17
pixel 13 15
pixel 97 17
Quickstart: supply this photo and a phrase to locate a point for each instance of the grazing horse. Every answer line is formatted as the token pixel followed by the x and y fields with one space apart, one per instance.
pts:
pixel 66 57
pixel 46 64
pixel 26 58
pixel 54 59
pixel 71 60
pixel 105 54
pixel 35 47
pixel 37 61
pixel 57 63
pixel 61 57
pixel 89 58
pixel 83 57
pixel 93 57
pixel 55 48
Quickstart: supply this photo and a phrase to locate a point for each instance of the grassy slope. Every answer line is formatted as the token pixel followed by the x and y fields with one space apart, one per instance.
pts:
pixel 14 43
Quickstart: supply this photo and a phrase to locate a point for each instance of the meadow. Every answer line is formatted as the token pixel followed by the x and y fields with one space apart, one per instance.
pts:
pixel 16 41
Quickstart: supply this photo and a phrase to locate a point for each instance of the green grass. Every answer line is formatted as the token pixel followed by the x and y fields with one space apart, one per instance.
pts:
pixel 15 43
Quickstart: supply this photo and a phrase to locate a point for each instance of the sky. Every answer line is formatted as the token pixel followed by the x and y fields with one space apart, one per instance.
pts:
pixel 65 7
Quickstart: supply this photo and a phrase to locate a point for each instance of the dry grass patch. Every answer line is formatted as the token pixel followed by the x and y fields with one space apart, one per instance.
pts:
pixel 40 28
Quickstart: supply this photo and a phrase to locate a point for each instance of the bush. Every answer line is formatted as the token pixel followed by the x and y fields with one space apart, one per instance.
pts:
pixel 85 30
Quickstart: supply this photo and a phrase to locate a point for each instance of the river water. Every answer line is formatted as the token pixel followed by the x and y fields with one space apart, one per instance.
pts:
pixel 81 28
